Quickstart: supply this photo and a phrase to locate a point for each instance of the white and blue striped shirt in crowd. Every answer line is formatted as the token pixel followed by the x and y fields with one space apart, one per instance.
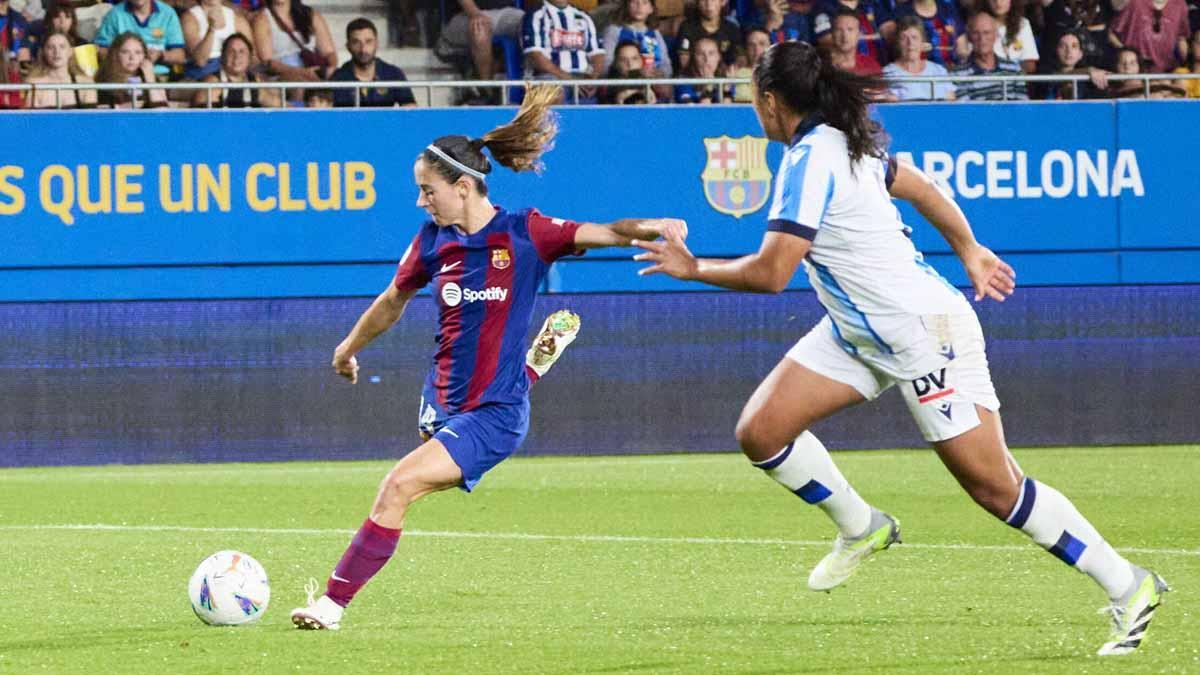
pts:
pixel 862 264
pixel 564 34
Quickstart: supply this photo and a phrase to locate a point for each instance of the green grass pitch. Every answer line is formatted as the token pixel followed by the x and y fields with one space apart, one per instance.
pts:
pixel 589 565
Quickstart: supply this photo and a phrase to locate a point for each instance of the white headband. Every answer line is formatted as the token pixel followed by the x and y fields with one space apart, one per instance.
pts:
pixel 454 162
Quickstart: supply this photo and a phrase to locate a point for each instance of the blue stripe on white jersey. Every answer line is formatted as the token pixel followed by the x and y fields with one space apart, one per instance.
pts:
pixel 835 289
pixel 565 35
pixel 803 190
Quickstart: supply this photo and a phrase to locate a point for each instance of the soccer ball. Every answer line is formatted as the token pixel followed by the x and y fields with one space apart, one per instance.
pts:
pixel 229 588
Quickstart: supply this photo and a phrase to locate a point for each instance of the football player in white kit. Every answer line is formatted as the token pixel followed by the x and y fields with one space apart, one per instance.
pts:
pixel 891 320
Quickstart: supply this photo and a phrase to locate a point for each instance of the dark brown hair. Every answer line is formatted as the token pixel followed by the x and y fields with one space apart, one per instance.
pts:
pixel 621 16
pixel 1012 21
pixel 65 8
pixel 807 83
pixel 518 145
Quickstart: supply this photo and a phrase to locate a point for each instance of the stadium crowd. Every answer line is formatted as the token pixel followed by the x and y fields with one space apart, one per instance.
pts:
pixel 217 41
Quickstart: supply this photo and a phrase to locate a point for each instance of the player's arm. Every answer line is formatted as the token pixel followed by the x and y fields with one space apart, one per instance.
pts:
pixel 380 316
pixel 766 271
pixel 990 275
pixel 624 232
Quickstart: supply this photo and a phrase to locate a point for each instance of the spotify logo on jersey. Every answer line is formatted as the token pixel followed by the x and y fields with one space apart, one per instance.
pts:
pixel 453 294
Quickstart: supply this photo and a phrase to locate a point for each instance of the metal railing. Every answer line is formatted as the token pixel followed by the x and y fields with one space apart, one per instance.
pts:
pixel 724 86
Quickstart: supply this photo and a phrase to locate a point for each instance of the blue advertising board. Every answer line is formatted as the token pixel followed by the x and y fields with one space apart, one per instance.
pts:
pixel 300 203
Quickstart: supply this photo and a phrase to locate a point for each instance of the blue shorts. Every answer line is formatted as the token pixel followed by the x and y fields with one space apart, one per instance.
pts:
pixel 480 439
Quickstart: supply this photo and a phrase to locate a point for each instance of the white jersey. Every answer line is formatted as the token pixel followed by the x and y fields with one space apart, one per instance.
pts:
pixel 881 295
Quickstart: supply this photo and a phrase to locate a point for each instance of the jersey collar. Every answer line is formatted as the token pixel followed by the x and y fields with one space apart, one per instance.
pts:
pixel 806 125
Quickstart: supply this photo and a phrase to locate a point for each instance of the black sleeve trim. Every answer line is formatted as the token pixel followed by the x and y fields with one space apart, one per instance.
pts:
pixel 789 227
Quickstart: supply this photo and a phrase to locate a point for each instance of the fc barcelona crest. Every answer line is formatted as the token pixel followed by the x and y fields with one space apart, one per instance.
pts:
pixel 736 178
pixel 500 258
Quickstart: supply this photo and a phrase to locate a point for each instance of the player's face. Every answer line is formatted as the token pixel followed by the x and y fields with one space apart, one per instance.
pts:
pixel 766 107
pixel 444 201
pixel 362 45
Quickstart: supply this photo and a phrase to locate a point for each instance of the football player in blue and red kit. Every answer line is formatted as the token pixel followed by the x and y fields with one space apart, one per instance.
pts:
pixel 484 265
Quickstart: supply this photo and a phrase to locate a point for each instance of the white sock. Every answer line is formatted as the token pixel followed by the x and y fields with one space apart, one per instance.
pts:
pixel 1051 520
pixel 805 468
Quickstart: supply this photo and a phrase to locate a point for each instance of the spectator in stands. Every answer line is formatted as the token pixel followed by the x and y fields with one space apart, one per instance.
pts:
pixel 318 98
pixel 1087 19
pixel 560 44
pixel 1192 87
pixel 1157 29
pixel 877 27
pixel 54 65
pixel 32 10
pixel 155 23
pixel 705 62
pixel 10 73
pixel 236 65
pixel 942 26
pixel 362 41
pixel 473 30
pixel 206 27
pixel 14 34
pixel 755 43
pixel 627 65
pixel 789 21
pixel 1014 34
pixel 843 49
pixel 982 33
pixel 910 46
pixel 1068 60
pixel 1130 62
pixel 293 40
pixel 635 22
pixel 707 21
pixel 60 18
pixel 128 61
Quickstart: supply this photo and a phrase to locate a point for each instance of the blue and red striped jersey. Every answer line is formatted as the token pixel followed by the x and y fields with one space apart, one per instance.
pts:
pixel 484 284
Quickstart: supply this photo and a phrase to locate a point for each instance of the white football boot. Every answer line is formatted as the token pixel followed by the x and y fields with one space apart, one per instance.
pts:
pixel 848 554
pixel 320 614
pixel 1131 614
pixel 559 330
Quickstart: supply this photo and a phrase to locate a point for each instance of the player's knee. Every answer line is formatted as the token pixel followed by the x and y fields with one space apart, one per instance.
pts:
pixel 995 497
pixel 756 439
pixel 401 489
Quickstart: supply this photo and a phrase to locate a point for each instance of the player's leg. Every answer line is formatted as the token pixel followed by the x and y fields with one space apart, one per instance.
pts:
pixel 427 469
pixel 957 411
pixel 814 381
pixel 558 331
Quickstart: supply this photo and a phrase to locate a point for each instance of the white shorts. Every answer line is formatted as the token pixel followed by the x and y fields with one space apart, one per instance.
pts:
pixel 943 401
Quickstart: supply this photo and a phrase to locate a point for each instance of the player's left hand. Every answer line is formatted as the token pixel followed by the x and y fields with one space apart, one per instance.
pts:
pixel 991 276
pixel 670 256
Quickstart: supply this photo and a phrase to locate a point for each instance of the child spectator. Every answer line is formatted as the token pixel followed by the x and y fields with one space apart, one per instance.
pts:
pixel 707 22
pixel 54 65
pixel 1068 60
pixel 157 26
pixel 1014 34
pixel 362 41
pixel 636 22
pixel 910 44
pixel 942 26
pixel 1130 62
pixel 627 65
pixel 293 40
pixel 14 34
pixel 705 62
pixel 755 43
pixel 982 33
pixel 1192 87
pixel 843 50
pixel 318 98
pixel 128 61
pixel 234 65
pixel 876 26
pixel 206 27
pixel 1156 29
pixel 1088 19
pixel 560 44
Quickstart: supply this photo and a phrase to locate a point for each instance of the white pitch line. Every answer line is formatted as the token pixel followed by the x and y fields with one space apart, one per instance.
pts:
pixel 521 536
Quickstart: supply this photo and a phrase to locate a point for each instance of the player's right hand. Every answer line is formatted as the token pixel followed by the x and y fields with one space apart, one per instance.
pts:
pixel 669 228
pixel 346 366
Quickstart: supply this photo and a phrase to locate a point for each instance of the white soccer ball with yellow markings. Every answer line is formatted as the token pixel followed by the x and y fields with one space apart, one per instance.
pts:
pixel 229 588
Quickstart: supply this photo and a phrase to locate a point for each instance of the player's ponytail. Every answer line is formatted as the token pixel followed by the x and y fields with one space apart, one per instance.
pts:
pixel 807 83
pixel 518 145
